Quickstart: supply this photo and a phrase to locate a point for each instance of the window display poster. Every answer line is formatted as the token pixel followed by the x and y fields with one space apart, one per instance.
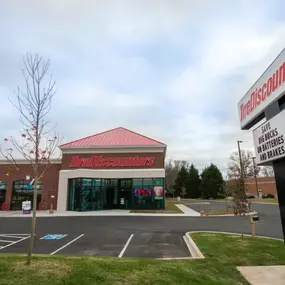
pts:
pixel 158 192
pixel 142 191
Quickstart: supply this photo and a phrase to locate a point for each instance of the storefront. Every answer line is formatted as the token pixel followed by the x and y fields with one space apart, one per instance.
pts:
pixel 87 194
pixel 117 169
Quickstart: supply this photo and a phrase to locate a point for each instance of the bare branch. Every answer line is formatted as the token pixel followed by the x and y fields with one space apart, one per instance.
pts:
pixel 37 145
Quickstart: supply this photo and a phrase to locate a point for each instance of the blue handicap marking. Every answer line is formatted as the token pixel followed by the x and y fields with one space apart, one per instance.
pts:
pixel 49 236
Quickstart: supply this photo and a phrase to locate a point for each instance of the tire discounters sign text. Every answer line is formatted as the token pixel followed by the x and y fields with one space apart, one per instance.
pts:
pixel 101 161
pixel 267 89
pixel 269 139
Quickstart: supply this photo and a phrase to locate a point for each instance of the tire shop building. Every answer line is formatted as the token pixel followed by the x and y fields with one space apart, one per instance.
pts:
pixel 116 169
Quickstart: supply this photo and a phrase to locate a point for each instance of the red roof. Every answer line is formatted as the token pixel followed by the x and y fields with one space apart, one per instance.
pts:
pixel 114 137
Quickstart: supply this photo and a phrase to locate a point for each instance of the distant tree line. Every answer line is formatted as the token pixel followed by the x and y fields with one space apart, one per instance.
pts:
pixel 185 180
pixel 182 179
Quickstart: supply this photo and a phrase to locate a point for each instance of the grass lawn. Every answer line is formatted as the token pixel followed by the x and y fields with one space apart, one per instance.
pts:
pixel 223 253
pixel 219 212
pixel 170 208
pixel 270 200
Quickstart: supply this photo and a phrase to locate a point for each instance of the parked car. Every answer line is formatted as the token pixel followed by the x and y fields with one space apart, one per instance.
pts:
pixel 250 196
pixel 266 196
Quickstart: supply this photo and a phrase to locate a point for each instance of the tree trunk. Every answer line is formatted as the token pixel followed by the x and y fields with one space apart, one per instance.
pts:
pixel 33 227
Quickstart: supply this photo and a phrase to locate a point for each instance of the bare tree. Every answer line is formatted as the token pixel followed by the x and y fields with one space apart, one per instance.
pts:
pixel 268 171
pixel 234 171
pixel 37 144
pixel 171 170
pixel 240 203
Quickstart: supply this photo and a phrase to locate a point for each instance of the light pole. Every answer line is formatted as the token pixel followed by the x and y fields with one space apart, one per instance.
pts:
pixel 254 169
pixel 240 160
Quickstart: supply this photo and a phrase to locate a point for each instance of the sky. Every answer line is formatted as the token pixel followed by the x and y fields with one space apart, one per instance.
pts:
pixel 171 70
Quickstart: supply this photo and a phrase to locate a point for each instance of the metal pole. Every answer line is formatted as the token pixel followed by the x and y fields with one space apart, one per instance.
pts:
pixel 240 160
pixel 254 169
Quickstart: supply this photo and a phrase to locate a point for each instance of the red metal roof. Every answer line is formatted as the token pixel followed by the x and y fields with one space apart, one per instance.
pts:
pixel 114 137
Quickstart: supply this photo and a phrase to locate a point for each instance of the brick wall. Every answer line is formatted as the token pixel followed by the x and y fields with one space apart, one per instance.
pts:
pixel 267 184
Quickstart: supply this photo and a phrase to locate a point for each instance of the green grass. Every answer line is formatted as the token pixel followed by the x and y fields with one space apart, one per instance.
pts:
pixel 234 250
pixel 219 212
pixel 170 208
pixel 223 253
pixel 271 200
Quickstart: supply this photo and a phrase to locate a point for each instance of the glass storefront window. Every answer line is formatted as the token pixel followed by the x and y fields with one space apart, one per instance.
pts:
pixel 158 181
pixel 23 191
pixel 87 194
pixel 137 182
pixel 148 181
pixel 148 193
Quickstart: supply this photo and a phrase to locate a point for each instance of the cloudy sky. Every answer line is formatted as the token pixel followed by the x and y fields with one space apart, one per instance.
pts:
pixel 172 70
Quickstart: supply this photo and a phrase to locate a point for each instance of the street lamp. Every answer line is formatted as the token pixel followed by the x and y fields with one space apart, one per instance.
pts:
pixel 254 169
pixel 240 160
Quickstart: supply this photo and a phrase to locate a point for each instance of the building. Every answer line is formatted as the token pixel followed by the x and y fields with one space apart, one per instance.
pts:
pixel 265 185
pixel 116 169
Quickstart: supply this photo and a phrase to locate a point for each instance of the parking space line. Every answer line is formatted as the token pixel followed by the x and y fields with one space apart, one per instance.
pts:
pixel 126 245
pixel 15 234
pixel 4 240
pixel 9 236
pixel 67 244
pixel 14 242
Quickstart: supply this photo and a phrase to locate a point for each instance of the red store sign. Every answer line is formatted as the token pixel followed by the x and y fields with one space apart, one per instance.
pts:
pixel 101 161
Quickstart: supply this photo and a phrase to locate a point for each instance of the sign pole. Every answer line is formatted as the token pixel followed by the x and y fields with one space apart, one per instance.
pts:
pixel 266 98
pixel 279 169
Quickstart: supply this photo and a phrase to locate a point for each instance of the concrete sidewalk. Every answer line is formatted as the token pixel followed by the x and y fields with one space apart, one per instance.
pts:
pixel 264 275
pixel 85 214
pixel 187 213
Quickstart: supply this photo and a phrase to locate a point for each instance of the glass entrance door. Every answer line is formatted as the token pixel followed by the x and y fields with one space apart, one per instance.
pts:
pixel 126 193
pixel 112 194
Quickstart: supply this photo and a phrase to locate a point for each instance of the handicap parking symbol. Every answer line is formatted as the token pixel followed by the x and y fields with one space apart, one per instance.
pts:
pixel 49 236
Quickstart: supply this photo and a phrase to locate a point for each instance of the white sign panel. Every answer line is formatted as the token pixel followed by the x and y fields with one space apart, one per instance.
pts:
pixel 267 89
pixel 269 140
pixel 26 205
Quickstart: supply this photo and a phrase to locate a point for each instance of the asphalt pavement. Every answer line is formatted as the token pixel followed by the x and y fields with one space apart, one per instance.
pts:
pixel 154 237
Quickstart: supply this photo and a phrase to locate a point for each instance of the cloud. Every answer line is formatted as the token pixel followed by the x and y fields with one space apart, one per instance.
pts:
pixel 173 70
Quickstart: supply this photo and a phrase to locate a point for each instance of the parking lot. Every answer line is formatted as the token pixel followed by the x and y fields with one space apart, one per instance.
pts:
pixel 98 238
pixel 131 236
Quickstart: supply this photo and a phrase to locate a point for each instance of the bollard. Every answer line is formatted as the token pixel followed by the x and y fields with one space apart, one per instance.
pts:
pixel 252 225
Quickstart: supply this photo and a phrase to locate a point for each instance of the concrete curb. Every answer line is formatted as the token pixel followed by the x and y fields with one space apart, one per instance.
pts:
pixel 232 215
pixel 192 247
pixel 230 233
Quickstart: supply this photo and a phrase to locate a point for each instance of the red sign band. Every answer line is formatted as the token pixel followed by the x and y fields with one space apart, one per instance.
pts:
pixel 100 161
pixel 260 94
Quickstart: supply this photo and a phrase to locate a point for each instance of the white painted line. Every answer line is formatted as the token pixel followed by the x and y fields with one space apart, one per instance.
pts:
pixel 3 240
pixel 9 236
pixel 67 244
pixel 126 245
pixel 14 242
pixel 15 234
